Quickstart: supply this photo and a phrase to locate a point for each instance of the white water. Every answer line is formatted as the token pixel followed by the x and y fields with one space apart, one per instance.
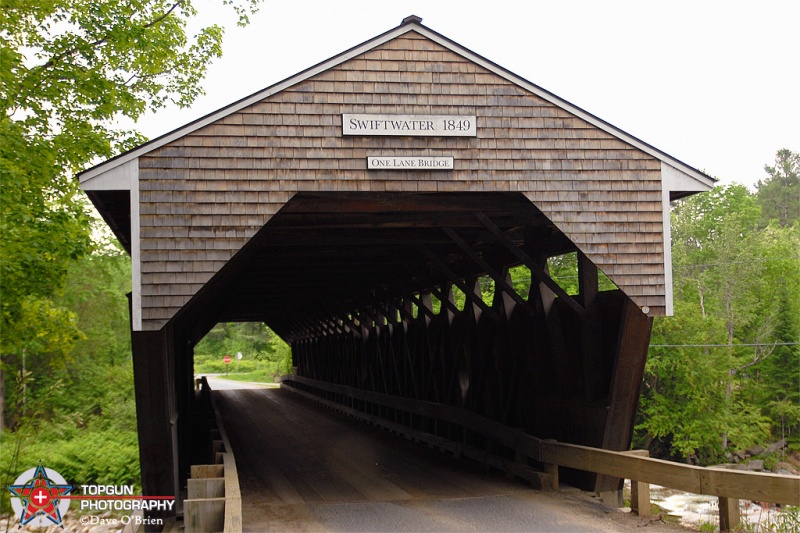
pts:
pixel 695 510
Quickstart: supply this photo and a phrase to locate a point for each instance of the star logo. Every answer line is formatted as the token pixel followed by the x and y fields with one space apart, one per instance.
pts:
pixel 37 496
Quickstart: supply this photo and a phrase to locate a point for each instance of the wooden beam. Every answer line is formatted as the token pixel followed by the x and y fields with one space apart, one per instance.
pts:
pixel 499 279
pixel 444 269
pixel 626 383
pixel 154 392
pixel 423 308
pixel 587 280
pixel 535 269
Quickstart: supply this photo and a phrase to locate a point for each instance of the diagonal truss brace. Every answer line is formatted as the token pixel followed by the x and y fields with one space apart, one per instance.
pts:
pixel 499 279
pixel 535 269
pixel 444 269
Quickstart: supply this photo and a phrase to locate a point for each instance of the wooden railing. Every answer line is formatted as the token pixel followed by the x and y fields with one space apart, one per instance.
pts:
pixel 404 416
pixel 214 502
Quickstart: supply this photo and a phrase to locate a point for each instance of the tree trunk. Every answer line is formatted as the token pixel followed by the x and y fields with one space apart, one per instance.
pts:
pixel 702 300
pixel 731 369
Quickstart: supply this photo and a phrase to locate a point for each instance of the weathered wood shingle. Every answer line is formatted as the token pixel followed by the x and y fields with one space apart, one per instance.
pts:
pixel 204 195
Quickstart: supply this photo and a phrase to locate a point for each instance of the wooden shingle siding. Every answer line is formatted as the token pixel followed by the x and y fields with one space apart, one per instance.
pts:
pixel 204 195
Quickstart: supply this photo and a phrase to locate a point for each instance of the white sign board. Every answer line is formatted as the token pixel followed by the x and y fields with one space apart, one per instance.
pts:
pixel 409 125
pixel 409 163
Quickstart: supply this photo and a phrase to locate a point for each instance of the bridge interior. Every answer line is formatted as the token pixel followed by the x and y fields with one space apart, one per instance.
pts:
pixel 326 257
pixel 348 279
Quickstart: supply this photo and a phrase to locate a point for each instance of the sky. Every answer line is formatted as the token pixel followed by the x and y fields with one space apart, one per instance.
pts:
pixel 714 84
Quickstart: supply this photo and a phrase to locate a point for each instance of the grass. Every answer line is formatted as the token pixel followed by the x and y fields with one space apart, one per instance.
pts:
pixel 256 376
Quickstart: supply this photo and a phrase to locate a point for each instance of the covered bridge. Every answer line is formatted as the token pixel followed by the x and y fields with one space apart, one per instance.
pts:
pixel 336 205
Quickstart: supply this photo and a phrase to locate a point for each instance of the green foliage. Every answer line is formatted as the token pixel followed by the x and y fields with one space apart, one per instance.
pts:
pixel 716 381
pixel 787 521
pixel 80 417
pixel 263 352
pixel 68 72
pixel 708 527
pixel 44 227
pixel 213 364
pixel 70 68
pixel 564 271
pixel 103 456
pixel 266 374
pixel 779 195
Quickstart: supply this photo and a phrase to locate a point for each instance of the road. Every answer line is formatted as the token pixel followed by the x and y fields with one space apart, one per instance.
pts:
pixel 303 467
pixel 218 382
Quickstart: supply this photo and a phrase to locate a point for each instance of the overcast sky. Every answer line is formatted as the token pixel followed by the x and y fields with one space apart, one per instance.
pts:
pixel 715 84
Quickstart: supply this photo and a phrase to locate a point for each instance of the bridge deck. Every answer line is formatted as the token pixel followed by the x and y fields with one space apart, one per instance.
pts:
pixel 305 468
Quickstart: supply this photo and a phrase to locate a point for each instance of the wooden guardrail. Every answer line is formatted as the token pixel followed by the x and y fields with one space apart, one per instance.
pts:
pixel 729 485
pixel 214 502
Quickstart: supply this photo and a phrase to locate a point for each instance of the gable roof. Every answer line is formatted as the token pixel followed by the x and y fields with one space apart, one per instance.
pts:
pixel 89 178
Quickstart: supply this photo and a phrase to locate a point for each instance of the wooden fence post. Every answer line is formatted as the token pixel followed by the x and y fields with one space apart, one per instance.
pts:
pixel 728 513
pixel 553 471
pixel 640 491
pixel 640 498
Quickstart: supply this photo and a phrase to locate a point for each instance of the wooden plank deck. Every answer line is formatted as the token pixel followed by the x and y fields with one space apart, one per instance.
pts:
pixel 303 467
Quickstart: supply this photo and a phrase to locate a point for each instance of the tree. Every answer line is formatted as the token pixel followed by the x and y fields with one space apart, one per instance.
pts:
pixel 709 383
pixel 44 226
pixel 68 71
pixel 260 346
pixel 779 195
pixel 70 68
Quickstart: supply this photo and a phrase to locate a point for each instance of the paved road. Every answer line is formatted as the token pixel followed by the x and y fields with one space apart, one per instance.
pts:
pixel 218 382
pixel 303 467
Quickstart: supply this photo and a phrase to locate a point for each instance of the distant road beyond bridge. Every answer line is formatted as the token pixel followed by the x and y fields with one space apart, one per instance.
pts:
pixel 303 467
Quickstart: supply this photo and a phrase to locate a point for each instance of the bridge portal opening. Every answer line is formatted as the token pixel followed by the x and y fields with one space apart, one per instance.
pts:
pixel 441 298
pixel 242 351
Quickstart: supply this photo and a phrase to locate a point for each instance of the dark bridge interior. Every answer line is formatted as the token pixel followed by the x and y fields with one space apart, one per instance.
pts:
pixel 347 279
pixel 324 257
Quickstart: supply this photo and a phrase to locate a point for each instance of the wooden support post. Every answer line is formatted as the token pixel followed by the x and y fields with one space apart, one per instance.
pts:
pixel 595 385
pixel 552 470
pixel 640 491
pixel 626 382
pixel 210 487
pixel 588 280
pixel 640 498
pixel 203 515
pixel 612 498
pixel 728 514
pixel 154 390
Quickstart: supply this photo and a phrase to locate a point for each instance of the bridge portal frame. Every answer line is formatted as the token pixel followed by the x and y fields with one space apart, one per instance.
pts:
pixel 205 209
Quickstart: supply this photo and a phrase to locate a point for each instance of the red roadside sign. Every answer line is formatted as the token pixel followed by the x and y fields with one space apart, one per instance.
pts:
pixel 226 359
